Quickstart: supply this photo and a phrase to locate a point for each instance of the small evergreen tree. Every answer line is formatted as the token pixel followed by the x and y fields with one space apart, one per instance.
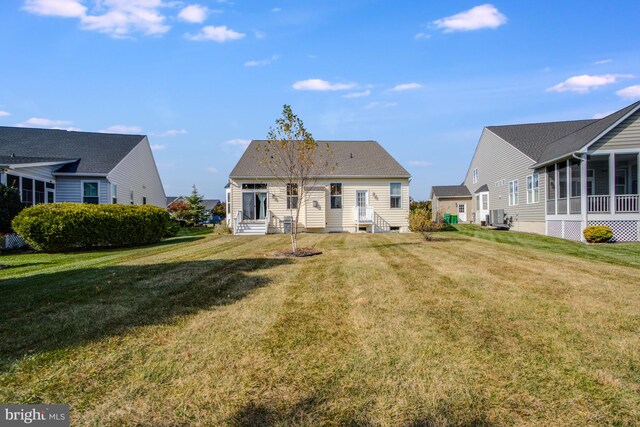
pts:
pixel 196 213
pixel 10 206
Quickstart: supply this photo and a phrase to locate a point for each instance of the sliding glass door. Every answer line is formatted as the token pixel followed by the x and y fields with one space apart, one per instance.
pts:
pixel 254 205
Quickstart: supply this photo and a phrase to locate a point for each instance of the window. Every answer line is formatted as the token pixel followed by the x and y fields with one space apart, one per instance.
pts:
pixel 395 192
pixel 336 195
pixel 252 186
pixel 562 180
pixel 477 202
pixel 591 182
pixel 114 193
pixel 144 200
pixel 292 196
pixel 513 192
pixel 475 176
pixel 27 191
pixel 485 202
pixel 576 182
pixel 13 181
pixel 50 188
pixel 39 193
pixel 90 192
pixel 533 188
pixel 131 197
pixel 461 208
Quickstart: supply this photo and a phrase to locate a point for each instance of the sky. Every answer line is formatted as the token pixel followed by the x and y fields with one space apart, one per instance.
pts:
pixel 202 78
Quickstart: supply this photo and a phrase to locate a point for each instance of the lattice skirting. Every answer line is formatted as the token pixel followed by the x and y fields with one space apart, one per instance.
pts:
pixel 13 241
pixel 623 231
pixel 570 230
pixel 554 229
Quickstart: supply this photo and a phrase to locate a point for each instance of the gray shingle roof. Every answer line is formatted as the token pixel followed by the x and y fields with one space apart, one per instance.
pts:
pixel 352 158
pixel 482 189
pixel 210 203
pixel 450 191
pixel 21 160
pixel 544 142
pixel 97 152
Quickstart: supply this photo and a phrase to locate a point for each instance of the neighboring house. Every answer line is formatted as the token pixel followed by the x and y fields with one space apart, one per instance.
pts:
pixel 558 178
pixel 368 190
pixel 48 165
pixel 451 199
pixel 174 199
pixel 209 204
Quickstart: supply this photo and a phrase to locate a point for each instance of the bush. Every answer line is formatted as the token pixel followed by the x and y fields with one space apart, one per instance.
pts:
pixel 221 228
pixel 10 206
pixel 598 234
pixel 67 226
pixel 173 226
pixel 420 222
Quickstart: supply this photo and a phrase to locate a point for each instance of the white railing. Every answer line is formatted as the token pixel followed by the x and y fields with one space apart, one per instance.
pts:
pixel 363 214
pixel 267 219
pixel 627 203
pixel 599 203
pixel 236 223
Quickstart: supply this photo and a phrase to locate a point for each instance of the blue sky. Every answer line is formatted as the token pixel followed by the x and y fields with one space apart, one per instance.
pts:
pixel 203 77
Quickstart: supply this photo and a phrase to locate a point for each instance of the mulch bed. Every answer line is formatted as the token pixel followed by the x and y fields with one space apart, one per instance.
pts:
pixel 302 252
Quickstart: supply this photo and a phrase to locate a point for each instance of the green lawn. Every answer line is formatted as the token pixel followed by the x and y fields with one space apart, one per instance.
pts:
pixel 475 328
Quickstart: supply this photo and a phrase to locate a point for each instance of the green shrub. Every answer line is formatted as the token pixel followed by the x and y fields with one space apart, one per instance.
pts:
pixel 221 228
pixel 67 226
pixel 598 234
pixel 420 222
pixel 173 227
pixel 10 205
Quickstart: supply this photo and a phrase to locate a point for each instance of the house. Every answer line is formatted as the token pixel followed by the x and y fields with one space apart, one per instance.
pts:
pixel 451 199
pixel 558 178
pixel 209 205
pixel 367 190
pixel 49 165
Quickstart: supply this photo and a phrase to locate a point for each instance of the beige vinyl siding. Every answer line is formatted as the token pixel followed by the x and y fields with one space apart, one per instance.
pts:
pixel 335 219
pixel 499 161
pixel 315 209
pixel 625 135
pixel 138 172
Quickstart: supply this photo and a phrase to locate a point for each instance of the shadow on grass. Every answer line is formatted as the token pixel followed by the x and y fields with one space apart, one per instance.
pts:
pixel 63 309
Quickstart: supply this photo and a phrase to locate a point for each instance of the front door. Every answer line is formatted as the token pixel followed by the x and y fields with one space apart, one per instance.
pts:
pixel 362 203
pixel 462 212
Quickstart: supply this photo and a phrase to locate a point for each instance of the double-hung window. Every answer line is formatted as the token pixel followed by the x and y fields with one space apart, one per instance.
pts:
pixel 292 196
pixel 336 195
pixel 533 188
pixel 395 195
pixel 114 193
pixel 90 192
pixel 513 192
pixel 131 198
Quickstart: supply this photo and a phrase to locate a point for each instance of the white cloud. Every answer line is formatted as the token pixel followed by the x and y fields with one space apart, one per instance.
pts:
pixel 122 129
pixel 419 163
pixel 262 62
pixel 322 85
pixel 39 122
pixel 219 34
pixel 603 61
pixel 357 94
pixel 170 132
pixel 584 83
pixel 4 113
pixel 422 36
pixel 211 169
pixel 62 8
pixel 601 115
pixel 158 147
pixel 479 17
pixel 629 92
pixel 276 9
pixel 239 142
pixel 405 86
pixel 118 18
pixel 376 104
pixel 194 13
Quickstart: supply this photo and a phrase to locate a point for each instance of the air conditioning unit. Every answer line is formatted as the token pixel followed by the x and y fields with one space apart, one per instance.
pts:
pixel 497 218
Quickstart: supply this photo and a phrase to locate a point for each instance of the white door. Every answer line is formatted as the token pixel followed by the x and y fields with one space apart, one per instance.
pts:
pixel 362 203
pixel 462 212
pixel 482 210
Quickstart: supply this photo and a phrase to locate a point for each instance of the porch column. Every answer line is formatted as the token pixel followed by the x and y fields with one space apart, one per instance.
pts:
pixel 557 186
pixel 568 172
pixel 584 197
pixel 612 183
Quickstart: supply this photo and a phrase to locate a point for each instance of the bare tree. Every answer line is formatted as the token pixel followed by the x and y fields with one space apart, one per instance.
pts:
pixel 296 161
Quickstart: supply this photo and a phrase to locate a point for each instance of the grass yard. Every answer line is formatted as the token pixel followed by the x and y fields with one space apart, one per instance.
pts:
pixel 476 328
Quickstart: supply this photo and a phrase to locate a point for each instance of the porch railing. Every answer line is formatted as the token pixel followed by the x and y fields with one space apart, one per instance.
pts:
pixel 599 203
pixel 236 223
pixel 627 203
pixel 574 205
pixel 363 214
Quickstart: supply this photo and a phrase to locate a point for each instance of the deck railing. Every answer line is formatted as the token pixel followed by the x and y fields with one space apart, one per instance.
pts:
pixel 599 203
pixel 627 203
pixel 363 214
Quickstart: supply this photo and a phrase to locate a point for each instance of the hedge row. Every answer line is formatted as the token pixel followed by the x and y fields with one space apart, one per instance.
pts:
pixel 67 226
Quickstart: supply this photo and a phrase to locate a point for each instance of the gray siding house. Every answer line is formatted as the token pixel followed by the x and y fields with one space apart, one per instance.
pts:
pixel 49 165
pixel 558 178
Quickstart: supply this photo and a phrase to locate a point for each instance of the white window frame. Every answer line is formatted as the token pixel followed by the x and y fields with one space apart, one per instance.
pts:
pixel 114 193
pixel 131 197
pixel 533 188
pixel 485 201
pixel 336 196
pixel 391 197
pixel 475 175
pixel 82 183
pixel 514 192
pixel 291 197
